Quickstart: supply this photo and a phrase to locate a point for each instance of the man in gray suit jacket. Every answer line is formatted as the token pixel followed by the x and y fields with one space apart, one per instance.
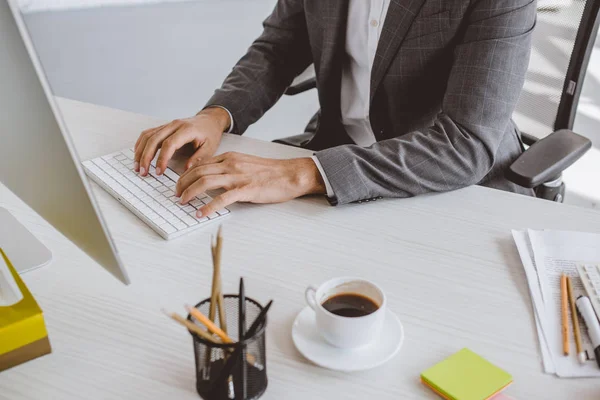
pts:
pixel 415 96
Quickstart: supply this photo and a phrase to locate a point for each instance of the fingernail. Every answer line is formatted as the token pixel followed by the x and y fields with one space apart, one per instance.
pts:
pixel 199 214
pixel 158 171
pixel 142 171
pixel 136 166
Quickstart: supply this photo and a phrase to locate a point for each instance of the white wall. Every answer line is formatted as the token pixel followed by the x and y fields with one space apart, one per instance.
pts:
pixel 46 5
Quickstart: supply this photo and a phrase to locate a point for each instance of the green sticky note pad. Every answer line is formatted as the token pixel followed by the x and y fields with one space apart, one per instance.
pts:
pixel 466 376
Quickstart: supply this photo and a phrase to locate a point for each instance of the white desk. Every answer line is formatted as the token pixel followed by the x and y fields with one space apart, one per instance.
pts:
pixel 447 263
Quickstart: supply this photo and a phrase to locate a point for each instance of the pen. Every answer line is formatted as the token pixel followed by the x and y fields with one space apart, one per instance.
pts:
pixel 259 320
pixel 241 335
pixel 591 322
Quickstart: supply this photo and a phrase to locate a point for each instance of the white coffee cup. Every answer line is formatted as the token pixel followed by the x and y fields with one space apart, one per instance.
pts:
pixel 347 332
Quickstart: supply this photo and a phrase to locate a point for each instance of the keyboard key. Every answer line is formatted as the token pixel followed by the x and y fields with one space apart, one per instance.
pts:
pixel 180 214
pixel 213 216
pixel 196 203
pixel 169 193
pixel 188 209
pixel 164 179
pixel 162 189
pixel 179 225
pixel 172 218
pixel 165 213
pixel 189 221
pixel 168 228
pixel 129 154
pixel 171 175
pixel 146 188
pixel 223 212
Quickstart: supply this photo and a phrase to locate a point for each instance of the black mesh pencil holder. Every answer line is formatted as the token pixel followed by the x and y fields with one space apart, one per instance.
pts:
pixel 221 373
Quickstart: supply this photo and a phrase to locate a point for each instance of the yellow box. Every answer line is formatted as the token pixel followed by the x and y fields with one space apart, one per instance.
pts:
pixel 23 334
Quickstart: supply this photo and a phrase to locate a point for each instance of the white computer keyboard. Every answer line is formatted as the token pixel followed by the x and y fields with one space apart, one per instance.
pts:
pixel 151 198
pixel 590 277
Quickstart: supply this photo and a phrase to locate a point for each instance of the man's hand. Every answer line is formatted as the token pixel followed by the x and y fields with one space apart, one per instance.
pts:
pixel 204 131
pixel 249 179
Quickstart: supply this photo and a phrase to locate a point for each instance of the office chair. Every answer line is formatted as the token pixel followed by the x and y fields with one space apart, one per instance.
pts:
pixel 549 99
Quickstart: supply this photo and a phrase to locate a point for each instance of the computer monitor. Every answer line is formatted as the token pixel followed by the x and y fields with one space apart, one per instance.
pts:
pixel 38 162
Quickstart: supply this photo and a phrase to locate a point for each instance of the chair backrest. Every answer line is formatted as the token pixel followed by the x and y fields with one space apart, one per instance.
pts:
pixel 562 42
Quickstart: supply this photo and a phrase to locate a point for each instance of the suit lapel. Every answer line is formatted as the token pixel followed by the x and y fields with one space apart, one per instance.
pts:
pixel 398 20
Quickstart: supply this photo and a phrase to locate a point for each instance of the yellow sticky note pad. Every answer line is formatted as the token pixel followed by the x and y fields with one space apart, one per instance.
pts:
pixel 466 376
pixel 23 334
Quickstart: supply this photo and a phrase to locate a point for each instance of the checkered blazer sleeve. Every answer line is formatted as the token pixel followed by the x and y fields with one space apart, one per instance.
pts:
pixel 460 147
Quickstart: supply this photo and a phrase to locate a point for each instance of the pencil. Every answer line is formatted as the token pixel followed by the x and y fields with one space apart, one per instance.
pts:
pixel 213 293
pixel 575 320
pixel 565 314
pixel 218 251
pixel 208 323
pixel 191 326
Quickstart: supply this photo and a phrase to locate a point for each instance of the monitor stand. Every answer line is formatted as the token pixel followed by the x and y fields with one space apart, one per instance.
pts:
pixel 24 251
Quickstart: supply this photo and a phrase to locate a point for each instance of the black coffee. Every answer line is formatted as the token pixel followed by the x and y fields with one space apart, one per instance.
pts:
pixel 350 305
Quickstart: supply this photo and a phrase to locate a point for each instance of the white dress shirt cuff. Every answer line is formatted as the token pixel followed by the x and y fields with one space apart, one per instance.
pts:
pixel 328 187
pixel 230 118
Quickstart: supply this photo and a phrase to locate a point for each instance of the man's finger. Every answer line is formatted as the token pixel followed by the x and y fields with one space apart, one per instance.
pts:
pixel 215 159
pixel 138 152
pixel 206 183
pixel 171 145
pixel 220 202
pixel 152 144
pixel 146 133
pixel 204 152
pixel 195 173
pixel 206 161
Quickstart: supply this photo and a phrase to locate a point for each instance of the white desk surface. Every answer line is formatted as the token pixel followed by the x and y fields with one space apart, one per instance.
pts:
pixel 447 263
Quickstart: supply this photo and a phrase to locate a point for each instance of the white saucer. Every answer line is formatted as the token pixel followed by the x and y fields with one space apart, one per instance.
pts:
pixel 312 346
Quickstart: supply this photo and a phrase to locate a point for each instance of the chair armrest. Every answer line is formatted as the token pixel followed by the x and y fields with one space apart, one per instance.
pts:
pixel 301 87
pixel 545 160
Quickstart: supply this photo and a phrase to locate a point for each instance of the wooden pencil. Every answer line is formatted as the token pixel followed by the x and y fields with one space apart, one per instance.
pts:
pixel 209 324
pixel 192 327
pixel 220 301
pixel 565 314
pixel 214 289
pixel 575 321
